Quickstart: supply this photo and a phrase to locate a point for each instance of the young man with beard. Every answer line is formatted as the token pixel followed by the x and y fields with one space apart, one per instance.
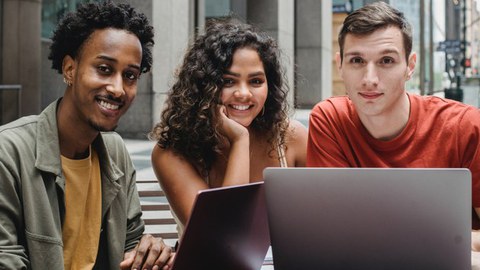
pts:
pixel 69 197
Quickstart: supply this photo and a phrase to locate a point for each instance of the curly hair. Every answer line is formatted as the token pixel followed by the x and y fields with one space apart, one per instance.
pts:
pixel 189 123
pixel 76 27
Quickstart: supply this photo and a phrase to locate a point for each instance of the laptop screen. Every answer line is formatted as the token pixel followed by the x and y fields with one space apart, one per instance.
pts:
pixel 361 218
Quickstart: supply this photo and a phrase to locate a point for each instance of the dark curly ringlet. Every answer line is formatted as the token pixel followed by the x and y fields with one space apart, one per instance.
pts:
pixel 189 123
pixel 76 27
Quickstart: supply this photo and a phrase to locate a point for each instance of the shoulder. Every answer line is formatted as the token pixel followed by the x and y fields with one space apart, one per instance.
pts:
pixel 164 156
pixel 169 165
pixel 445 109
pixel 113 141
pixel 334 113
pixel 19 133
pixel 296 142
pixel 339 102
pixel 333 107
pixel 20 125
pixel 114 145
pixel 295 129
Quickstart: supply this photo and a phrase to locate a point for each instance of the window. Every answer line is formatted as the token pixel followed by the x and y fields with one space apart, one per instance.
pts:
pixel 53 11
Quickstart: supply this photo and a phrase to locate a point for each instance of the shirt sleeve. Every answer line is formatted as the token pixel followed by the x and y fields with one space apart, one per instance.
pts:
pixel 135 224
pixel 323 146
pixel 12 253
pixel 469 141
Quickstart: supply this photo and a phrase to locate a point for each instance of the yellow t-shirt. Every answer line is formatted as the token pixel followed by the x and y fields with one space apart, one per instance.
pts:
pixel 83 211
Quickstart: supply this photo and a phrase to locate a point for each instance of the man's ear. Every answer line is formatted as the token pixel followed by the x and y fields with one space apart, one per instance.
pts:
pixel 412 60
pixel 68 68
pixel 338 61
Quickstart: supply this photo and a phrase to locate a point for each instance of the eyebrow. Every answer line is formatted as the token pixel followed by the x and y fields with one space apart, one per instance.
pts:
pixel 110 59
pixel 386 51
pixel 258 73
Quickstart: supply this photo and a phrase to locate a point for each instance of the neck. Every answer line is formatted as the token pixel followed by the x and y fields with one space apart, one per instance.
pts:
pixel 388 125
pixel 75 136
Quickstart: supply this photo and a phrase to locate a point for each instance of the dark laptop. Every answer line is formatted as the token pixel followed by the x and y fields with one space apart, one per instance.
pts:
pixel 228 229
pixel 352 218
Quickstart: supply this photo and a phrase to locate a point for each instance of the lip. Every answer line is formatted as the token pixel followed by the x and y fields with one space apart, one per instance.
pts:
pixel 240 108
pixel 370 95
pixel 109 107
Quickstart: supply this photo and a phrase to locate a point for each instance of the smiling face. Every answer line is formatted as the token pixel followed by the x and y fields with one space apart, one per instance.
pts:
pixel 245 87
pixel 374 71
pixel 104 79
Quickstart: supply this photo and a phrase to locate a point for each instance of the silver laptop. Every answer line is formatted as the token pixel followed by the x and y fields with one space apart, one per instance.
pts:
pixel 228 229
pixel 369 218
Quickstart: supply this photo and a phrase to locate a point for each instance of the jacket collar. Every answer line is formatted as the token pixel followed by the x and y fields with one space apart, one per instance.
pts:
pixel 48 147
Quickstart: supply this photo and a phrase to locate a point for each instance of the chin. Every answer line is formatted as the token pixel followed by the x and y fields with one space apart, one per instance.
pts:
pixel 102 128
pixel 244 123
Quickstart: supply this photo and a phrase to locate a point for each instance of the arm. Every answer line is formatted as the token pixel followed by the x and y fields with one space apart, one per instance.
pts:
pixel 12 253
pixel 297 143
pixel 323 148
pixel 135 224
pixel 476 245
pixel 181 181
pixel 141 251
pixel 476 237
pixel 237 170
pixel 469 131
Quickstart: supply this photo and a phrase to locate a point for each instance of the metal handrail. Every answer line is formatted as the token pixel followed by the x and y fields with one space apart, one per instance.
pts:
pixel 11 86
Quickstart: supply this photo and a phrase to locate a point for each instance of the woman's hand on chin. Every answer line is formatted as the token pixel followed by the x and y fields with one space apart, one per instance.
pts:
pixel 232 130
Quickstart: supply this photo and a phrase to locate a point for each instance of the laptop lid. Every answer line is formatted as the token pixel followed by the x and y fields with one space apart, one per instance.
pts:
pixel 228 229
pixel 369 218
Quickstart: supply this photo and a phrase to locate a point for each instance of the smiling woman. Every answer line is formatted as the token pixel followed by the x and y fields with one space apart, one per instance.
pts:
pixel 226 117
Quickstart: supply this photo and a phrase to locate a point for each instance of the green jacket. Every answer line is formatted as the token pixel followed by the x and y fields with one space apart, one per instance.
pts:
pixel 32 190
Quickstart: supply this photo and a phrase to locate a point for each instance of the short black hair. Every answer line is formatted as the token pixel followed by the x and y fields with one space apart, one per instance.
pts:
pixel 76 27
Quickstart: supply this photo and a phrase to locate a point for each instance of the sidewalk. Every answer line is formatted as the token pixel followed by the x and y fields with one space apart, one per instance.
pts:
pixel 140 151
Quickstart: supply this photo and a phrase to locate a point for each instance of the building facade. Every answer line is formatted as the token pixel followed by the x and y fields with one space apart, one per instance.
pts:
pixel 305 30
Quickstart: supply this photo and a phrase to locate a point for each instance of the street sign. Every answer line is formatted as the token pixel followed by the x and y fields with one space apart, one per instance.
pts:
pixel 450 46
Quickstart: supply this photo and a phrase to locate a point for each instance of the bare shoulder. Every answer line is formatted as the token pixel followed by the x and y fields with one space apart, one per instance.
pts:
pixel 296 142
pixel 296 131
pixel 179 180
pixel 161 155
pixel 169 166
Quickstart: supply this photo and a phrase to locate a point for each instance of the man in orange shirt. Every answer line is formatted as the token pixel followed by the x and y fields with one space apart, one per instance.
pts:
pixel 379 124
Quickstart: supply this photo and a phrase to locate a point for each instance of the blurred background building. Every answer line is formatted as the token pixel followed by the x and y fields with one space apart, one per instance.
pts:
pixel 446 38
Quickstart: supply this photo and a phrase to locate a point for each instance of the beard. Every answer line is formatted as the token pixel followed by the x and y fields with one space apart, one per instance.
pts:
pixel 99 127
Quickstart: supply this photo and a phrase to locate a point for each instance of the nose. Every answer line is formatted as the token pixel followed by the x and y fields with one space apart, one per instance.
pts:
pixel 115 86
pixel 370 78
pixel 243 92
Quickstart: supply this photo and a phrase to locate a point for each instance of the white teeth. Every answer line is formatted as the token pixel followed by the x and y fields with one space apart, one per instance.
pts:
pixel 240 107
pixel 108 105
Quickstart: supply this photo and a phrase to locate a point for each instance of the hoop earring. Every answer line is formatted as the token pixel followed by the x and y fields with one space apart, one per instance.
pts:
pixel 67 82
pixel 263 111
